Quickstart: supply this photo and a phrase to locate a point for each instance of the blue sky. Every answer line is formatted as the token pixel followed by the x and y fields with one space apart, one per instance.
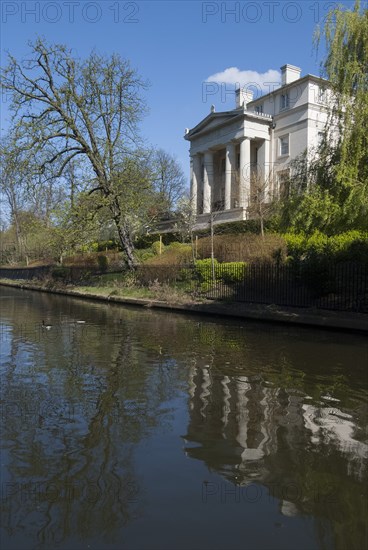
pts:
pixel 177 46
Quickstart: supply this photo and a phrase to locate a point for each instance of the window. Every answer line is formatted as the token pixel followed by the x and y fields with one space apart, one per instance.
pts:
pixel 284 101
pixel 259 109
pixel 283 145
pixel 320 137
pixel 322 95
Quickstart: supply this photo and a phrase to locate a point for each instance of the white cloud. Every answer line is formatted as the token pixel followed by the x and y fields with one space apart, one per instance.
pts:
pixel 264 82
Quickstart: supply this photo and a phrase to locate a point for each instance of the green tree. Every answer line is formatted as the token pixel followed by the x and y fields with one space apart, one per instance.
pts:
pixel 345 33
pixel 82 109
pixel 344 154
pixel 329 187
pixel 27 194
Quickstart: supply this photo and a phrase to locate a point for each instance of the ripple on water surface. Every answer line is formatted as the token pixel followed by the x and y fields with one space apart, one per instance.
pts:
pixel 130 428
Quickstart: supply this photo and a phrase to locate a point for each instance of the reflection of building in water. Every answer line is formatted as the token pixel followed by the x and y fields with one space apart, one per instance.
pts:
pixel 234 421
pixel 330 424
pixel 248 431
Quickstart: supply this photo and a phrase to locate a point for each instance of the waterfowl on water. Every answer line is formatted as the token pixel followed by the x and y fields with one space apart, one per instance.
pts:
pixel 47 327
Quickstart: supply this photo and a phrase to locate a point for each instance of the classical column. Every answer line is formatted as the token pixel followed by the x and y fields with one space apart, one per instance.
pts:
pixel 205 390
pixel 226 408
pixel 229 167
pixel 207 182
pixel 242 416
pixel 263 166
pixel 195 181
pixel 244 173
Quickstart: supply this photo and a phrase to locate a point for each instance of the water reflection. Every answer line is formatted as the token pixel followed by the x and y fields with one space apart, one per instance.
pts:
pixel 74 403
pixel 309 453
pixel 95 415
pixel 238 419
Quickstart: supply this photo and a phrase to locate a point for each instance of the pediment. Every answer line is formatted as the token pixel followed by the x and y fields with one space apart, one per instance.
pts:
pixel 212 121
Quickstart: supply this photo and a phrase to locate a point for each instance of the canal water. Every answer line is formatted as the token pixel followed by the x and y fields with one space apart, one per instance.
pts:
pixel 134 429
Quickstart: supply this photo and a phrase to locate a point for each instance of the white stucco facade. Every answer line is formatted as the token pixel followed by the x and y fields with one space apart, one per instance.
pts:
pixel 233 152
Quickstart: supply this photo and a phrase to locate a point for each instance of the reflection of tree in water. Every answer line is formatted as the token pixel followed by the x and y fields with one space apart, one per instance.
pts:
pixel 81 398
pixel 251 430
pixel 74 421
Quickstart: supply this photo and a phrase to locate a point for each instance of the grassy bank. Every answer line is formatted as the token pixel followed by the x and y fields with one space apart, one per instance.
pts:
pixel 113 285
pixel 183 303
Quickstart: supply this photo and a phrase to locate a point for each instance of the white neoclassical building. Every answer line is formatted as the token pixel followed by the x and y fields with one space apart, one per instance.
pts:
pixel 252 145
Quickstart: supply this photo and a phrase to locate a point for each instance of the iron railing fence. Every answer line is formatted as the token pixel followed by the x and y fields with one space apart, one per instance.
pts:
pixel 341 286
pixel 65 273
pixel 25 273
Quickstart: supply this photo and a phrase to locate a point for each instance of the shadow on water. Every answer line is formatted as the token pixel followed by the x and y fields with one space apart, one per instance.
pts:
pixel 127 428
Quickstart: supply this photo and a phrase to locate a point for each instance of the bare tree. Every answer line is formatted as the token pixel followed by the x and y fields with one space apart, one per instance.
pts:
pixel 86 109
pixel 169 181
pixel 13 195
pixel 261 199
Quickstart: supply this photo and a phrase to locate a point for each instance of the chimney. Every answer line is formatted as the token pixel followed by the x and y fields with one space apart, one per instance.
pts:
pixel 289 73
pixel 243 97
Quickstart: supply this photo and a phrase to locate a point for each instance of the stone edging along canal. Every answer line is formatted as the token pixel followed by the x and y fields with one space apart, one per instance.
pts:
pixel 338 320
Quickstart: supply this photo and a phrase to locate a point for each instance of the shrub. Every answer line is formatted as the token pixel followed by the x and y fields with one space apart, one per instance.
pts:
pixel 245 248
pixel 349 246
pixel 173 255
pixel 204 270
pixel 146 241
pixel 358 250
pixel 157 246
pixel 231 272
pixel 148 273
pixel 144 254
pixel 296 244
pixel 60 273
pixel 177 246
pixel 107 245
pixel 86 260
pixel 317 245
pixel 129 280
pixel 228 272
pixel 167 293
pixel 320 249
pixel 102 262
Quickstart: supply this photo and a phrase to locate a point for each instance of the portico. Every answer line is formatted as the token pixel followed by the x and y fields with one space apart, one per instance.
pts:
pixel 217 183
pixel 222 170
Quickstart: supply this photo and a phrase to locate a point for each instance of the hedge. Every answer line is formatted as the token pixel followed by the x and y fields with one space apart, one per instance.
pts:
pixel 227 272
pixel 348 246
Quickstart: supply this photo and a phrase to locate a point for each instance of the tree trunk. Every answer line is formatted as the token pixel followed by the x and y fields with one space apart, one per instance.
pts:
pixel 123 232
pixel 262 223
pixel 127 247
pixel 212 249
pixel 261 219
pixel 18 232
